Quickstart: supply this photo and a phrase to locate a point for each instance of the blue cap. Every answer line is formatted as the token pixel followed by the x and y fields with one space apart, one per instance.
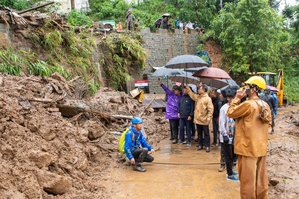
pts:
pixel 137 120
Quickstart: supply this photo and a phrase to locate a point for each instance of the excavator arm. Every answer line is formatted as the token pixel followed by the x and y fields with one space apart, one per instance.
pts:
pixel 279 86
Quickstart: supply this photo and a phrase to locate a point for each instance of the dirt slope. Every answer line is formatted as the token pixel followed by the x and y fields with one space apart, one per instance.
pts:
pixel 46 155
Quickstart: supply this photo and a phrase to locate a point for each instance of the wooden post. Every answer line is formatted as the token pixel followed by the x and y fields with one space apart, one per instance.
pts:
pixel 72 4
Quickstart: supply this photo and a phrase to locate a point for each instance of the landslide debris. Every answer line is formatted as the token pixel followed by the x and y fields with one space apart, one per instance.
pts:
pixel 282 157
pixel 53 145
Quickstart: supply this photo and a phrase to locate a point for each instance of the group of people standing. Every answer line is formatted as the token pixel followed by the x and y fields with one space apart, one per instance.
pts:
pixel 131 24
pixel 237 124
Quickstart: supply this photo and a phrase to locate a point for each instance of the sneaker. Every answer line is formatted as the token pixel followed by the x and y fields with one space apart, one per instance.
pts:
pixel 180 142
pixel 174 141
pixel 199 148
pixel 207 149
pixel 234 173
pixel 234 178
pixel 185 142
pixel 188 144
pixel 221 168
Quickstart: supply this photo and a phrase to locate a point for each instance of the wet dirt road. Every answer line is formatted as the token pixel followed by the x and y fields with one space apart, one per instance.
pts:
pixel 175 181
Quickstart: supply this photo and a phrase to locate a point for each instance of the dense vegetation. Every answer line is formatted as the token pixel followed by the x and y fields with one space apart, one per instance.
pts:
pixel 252 34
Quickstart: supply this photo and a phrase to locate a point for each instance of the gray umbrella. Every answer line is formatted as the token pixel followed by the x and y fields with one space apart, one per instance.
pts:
pixel 167 71
pixel 185 78
pixel 193 70
pixel 217 83
pixel 186 61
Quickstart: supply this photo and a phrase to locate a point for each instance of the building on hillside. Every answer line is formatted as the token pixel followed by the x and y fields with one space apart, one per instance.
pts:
pixel 65 7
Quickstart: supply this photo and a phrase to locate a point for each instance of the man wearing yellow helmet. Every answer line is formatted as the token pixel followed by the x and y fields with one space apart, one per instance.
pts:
pixel 251 139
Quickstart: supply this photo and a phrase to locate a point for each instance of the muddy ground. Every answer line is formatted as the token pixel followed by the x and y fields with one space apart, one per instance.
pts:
pixel 53 144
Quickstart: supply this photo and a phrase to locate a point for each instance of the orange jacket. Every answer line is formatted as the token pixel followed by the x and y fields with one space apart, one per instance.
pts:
pixel 251 133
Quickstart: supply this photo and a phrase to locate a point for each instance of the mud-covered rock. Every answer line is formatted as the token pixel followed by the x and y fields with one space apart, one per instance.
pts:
pixel 46 133
pixel 53 183
pixel 42 159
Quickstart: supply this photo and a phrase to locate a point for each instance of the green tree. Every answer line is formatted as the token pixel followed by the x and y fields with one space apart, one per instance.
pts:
pixel 252 36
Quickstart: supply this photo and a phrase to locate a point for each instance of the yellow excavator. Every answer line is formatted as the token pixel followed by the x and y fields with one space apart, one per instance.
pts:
pixel 276 86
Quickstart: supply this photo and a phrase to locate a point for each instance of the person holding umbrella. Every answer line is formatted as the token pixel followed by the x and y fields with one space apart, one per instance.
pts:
pixel 203 114
pixel 173 98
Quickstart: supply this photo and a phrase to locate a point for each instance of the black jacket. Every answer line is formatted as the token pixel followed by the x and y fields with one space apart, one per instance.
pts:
pixel 186 107
pixel 270 101
pixel 217 103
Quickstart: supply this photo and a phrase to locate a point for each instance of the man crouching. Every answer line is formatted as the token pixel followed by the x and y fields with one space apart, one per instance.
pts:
pixel 133 140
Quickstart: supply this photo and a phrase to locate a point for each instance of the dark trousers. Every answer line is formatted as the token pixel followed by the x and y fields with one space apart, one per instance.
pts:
pixel 141 155
pixel 203 129
pixel 230 157
pixel 215 130
pixel 185 123
pixel 171 133
pixel 174 125
pixel 192 128
pixel 222 156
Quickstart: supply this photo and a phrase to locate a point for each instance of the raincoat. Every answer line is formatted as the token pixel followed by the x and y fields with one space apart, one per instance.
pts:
pixel 131 145
pixel 172 103
pixel 203 110
pixel 251 133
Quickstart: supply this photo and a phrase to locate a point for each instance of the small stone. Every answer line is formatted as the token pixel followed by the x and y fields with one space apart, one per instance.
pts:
pixel 274 181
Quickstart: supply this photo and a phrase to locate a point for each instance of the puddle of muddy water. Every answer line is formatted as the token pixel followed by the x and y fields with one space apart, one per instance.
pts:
pixel 176 181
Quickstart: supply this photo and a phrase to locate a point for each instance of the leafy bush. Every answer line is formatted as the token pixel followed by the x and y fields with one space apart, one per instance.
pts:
pixel 10 62
pixel 79 19
pixel 124 50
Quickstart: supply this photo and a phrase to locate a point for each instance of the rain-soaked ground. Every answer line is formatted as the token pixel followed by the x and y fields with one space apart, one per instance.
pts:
pixel 188 175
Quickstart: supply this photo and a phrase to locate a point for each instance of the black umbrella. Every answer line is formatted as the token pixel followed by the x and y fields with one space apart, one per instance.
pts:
pixel 184 78
pixel 167 72
pixel 186 61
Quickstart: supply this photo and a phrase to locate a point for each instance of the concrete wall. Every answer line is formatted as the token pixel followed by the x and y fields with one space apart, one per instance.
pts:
pixel 163 46
pixel 65 6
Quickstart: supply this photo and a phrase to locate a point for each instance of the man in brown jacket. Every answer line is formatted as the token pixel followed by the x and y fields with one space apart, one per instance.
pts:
pixel 203 113
pixel 251 138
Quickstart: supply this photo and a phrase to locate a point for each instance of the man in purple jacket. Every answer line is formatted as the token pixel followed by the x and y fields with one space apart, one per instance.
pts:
pixel 172 109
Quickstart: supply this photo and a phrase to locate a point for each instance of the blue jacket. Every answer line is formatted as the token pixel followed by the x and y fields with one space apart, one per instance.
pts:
pixel 276 102
pixel 131 145
pixel 177 23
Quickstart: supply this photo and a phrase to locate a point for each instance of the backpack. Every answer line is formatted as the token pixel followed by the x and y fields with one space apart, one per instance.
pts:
pixel 265 114
pixel 123 139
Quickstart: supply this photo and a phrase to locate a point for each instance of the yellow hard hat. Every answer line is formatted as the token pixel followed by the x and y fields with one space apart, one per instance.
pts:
pixel 258 81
